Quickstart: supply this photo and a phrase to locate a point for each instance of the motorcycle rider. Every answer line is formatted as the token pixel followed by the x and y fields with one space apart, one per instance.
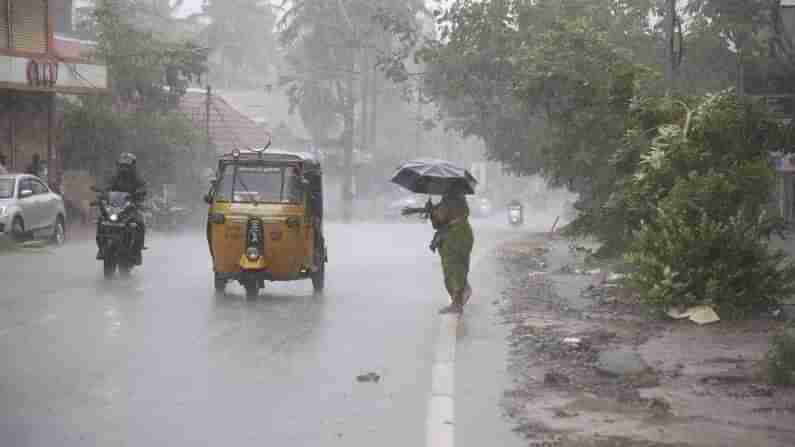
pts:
pixel 127 180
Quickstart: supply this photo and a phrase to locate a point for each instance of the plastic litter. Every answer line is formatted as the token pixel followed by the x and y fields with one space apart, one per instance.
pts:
pixel 613 277
pixel 698 314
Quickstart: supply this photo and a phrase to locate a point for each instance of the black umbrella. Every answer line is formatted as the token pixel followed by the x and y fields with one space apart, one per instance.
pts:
pixel 428 176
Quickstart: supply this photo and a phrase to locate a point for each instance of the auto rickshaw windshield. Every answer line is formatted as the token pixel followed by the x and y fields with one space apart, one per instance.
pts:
pixel 257 183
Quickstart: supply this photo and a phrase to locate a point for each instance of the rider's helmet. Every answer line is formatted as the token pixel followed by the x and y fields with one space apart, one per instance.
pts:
pixel 126 162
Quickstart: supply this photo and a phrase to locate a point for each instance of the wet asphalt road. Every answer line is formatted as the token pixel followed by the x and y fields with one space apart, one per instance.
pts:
pixel 158 359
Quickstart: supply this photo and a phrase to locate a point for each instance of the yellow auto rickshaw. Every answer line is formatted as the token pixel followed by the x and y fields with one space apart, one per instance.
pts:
pixel 265 219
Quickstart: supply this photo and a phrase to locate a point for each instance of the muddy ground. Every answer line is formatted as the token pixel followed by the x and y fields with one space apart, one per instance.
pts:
pixel 695 385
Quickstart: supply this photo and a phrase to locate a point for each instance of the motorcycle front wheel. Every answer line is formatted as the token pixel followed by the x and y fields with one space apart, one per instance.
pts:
pixel 109 267
pixel 125 267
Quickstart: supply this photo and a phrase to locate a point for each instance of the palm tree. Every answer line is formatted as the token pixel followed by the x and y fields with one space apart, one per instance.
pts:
pixel 329 45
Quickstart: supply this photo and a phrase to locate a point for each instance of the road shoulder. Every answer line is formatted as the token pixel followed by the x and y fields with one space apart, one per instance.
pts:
pixel 592 370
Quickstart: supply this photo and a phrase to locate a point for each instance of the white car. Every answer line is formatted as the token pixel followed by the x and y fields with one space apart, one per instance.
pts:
pixel 29 208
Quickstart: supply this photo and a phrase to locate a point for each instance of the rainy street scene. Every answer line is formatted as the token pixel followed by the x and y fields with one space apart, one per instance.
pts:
pixel 441 223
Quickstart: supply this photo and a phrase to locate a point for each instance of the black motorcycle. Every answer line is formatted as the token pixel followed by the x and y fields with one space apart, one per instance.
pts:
pixel 117 231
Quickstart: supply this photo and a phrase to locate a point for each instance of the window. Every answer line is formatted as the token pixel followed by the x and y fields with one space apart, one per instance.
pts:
pixel 6 188
pixel 39 187
pixel 258 183
pixel 25 184
pixel 28 24
pixel 4 29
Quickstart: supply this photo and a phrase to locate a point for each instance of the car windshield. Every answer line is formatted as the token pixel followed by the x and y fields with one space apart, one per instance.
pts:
pixel 259 184
pixel 6 188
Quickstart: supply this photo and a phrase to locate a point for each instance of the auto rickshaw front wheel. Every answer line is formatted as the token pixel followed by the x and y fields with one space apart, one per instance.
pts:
pixel 220 286
pixel 319 278
pixel 109 267
pixel 252 288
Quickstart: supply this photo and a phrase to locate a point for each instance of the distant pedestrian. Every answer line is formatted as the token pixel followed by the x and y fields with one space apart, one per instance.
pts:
pixel 35 166
pixel 3 168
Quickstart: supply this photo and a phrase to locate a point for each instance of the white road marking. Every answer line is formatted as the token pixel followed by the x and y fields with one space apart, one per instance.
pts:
pixel 440 422
pixel 440 425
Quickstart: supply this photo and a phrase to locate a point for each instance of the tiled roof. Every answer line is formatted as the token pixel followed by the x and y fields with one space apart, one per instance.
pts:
pixel 229 129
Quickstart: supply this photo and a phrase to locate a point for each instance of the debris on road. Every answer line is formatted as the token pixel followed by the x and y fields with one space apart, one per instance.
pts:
pixel 621 362
pixel 554 379
pixel 582 349
pixel 615 277
pixel 565 414
pixel 369 377
pixel 698 314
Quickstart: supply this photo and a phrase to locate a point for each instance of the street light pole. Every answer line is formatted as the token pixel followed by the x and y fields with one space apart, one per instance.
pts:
pixel 207 102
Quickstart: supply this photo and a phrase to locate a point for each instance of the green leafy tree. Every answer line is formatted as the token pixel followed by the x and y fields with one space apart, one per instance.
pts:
pixel 241 33
pixel 148 72
pixel 752 29
pixel 144 67
pixel 545 84
pixel 696 206
pixel 328 47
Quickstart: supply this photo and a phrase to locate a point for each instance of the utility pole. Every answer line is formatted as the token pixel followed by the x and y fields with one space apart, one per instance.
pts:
pixel 349 120
pixel 347 141
pixel 365 81
pixel 52 154
pixel 207 101
pixel 373 137
pixel 418 135
pixel 448 146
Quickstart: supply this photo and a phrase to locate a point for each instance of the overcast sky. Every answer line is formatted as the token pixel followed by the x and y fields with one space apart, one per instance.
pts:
pixel 194 6
pixel 191 7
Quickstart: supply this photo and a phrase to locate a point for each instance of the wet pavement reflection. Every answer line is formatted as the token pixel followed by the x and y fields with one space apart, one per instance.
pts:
pixel 159 359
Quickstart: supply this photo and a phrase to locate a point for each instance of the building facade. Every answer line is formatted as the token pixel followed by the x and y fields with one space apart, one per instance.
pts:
pixel 39 61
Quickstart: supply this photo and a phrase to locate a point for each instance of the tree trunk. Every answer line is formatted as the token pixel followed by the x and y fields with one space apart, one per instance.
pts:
pixel 670 42
pixel 418 136
pixel 365 79
pixel 373 137
pixel 740 74
pixel 348 139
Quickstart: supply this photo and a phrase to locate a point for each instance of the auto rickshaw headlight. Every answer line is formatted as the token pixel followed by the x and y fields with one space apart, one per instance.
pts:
pixel 252 253
pixel 114 217
pixel 293 222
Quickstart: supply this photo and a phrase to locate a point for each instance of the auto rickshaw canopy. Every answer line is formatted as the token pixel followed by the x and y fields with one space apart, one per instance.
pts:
pixel 273 156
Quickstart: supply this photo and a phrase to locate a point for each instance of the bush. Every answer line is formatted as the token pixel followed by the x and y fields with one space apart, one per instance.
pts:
pixel 781 358
pixel 696 208
pixel 708 244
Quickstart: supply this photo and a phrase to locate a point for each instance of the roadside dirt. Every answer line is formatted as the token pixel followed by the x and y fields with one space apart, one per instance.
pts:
pixel 695 386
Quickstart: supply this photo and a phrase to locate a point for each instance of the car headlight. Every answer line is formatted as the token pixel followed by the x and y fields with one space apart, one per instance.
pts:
pixel 252 253
pixel 3 210
pixel 114 217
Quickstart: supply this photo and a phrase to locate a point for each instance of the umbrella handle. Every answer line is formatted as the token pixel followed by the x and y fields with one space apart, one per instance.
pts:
pixel 413 210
